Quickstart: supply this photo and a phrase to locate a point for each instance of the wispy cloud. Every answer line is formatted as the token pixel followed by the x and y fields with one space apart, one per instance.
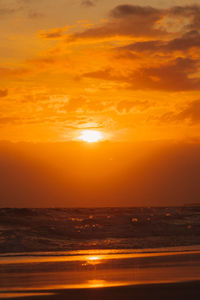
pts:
pixel 88 3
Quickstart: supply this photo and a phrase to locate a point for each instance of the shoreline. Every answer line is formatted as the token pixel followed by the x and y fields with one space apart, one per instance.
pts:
pixel 173 290
pixel 96 270
pixel 180 248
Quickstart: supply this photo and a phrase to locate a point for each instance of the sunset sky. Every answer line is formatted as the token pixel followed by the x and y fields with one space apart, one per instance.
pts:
pixel 129 70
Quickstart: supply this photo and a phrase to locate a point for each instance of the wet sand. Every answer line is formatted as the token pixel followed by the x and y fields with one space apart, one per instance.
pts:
pixel 172 291
pixel 102 275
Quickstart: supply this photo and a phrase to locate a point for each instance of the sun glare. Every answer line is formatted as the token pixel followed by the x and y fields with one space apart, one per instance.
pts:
pixel 90 136
pixel 94 258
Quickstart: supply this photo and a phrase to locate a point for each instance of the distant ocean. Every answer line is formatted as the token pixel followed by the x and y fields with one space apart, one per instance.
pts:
pixel 65 229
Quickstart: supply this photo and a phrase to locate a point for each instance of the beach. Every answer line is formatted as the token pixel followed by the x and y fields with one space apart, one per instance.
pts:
pixel 118 253
pixel 102 274
pixel 186 290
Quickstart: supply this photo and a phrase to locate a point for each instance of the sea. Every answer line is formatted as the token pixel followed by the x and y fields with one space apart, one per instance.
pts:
pixel 61 229
pixel 44 249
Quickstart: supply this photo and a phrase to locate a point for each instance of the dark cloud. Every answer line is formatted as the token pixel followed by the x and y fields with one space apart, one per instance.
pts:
pixel 150 46
pixel 88 3
pixel 122 11
pixel 187 11
pixel 191 113
pixel 189 40
pixel 126 20
pixel 106 74
pixel 53 34
pixel 3 93
pixel 171 76
pixel 144 21
pixel 35 15
pixel 7 11
pixel 192 12
pixel 169 72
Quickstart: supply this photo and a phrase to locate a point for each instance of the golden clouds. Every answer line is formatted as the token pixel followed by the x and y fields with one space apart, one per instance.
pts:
pixel 176 75
pixel 171 64
pixel 54 33
pixel 126 20
pixel 133 73
pixel 189 113
pixel 144 22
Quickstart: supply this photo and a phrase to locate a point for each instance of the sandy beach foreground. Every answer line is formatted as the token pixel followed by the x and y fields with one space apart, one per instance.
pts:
pixel 182 290
pixel 172 273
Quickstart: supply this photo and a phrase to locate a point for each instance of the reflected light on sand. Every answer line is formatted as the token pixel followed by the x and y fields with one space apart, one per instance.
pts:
pixel 96 283
pixel 72 257
pixel 20 294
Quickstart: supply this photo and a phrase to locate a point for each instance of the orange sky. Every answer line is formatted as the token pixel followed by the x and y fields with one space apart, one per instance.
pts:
pixel 129 69
pixel 132 71
pixel 100 174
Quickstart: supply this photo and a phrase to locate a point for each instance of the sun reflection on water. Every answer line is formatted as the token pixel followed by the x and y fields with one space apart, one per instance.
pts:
pixel 94 258
pixel 94 283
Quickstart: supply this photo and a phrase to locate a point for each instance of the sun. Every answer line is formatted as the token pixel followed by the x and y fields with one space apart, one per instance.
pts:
pixel 91 136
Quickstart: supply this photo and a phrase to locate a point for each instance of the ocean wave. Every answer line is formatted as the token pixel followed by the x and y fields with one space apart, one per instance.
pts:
pixel 61 229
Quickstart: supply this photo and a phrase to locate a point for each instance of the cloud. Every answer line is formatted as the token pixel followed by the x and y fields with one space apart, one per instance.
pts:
pixel 186 42
pixel 55 33
pixel 174 75
pixel 144 21
pixel 3 93
pixel 83 104
pixel 189 40
pixel 172 63
pixel 122 11
pixel 88 3
pixel 43 62
pixel 190 113
pixel 105 74
pixel 35 15
pixel 192 12
pixel 125 20
pixel 13 73
pixel 127 106
pixel 7 9
pixel 173 68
